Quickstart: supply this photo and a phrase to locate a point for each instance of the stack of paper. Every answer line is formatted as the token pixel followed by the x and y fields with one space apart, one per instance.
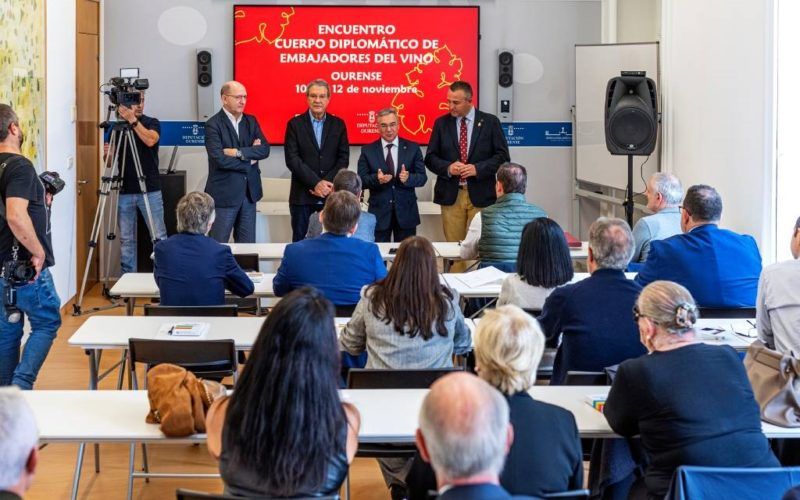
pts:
pixel 255 276
pixel 482 277
pixel 184 329
pixel 597 402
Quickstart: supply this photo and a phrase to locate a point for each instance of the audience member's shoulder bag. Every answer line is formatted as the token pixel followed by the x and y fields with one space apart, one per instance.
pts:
pixel 776 384
pixel 179 400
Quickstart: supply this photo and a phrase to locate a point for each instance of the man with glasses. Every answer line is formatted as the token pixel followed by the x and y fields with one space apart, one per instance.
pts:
pixel 316 148
pixel 235 144
pixel 391 168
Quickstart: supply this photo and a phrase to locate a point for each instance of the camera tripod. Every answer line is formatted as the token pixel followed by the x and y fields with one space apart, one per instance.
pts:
pixel 120 142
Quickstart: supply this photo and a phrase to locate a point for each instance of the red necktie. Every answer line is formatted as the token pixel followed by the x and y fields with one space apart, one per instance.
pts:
pixel 462 140
pixel 389 159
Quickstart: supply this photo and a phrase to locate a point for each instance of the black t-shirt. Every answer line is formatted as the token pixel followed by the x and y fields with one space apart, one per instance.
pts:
pixel 19 180
pixel 148 158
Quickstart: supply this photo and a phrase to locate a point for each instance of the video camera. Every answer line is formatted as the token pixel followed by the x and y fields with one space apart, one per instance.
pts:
pixel 126 89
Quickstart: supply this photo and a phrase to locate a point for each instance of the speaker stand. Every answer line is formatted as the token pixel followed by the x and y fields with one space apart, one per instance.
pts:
pixel 629 193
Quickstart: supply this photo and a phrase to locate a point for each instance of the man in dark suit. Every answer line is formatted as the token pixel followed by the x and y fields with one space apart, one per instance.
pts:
pixel 593 316
pixel 719 267
pixel 316 148
pixel 192 269
pixel 464 432
pixel 467 147
pixel 334 263
pixel 391 168
pixel 235 144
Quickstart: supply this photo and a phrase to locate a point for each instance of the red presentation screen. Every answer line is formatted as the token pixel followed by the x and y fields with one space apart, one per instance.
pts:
pixel 372 57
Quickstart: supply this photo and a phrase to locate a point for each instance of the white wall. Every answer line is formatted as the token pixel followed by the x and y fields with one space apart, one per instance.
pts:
pixel 717 98
pixel 60 84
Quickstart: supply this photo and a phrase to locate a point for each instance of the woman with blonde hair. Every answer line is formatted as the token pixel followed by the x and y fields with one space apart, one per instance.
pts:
pixel 690 403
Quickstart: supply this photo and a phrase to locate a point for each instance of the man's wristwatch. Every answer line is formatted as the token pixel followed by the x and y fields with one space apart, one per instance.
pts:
pixel 239 154
pixel 134 123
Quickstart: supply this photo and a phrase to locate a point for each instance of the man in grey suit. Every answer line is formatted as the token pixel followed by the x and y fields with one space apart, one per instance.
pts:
pixel 664 194
pixel 346 180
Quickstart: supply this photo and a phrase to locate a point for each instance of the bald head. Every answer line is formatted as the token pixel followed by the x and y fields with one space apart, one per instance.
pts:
pixel 234 97
pixel 464 428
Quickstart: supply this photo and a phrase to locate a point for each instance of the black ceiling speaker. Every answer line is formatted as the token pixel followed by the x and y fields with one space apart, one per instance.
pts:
pixel 631 114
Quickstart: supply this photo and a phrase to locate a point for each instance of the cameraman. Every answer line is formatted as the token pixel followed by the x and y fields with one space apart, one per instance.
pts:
pixel 27 221
pixel 146 136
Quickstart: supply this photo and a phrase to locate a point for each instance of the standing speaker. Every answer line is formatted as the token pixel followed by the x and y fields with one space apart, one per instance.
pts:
pixel 631 114
pixel 505 85
pixel 205 89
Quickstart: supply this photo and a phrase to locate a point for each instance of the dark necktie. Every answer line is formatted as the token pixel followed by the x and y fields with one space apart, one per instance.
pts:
pixel 462 140
pixel 389 159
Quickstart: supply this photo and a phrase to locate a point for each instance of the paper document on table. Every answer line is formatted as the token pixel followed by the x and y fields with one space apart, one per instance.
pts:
pixel 183 329
pixel 255 276
pixel 482 277
pixel 597 402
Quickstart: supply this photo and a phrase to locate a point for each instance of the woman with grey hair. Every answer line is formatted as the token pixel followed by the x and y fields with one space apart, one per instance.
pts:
pixel 691 403
pixel 192 269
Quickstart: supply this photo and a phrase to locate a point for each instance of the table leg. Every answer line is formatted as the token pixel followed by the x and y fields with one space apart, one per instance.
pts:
pixel 130 305
pixel 77 476
pixel 446 263
pixel 130 471
pixel 93 368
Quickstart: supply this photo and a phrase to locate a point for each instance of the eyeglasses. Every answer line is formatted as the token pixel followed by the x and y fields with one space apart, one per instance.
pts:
pixel 385 126
pixel 637 315
pixel 237 97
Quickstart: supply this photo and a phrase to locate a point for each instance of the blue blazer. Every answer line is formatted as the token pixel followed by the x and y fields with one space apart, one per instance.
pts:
pixel 383 198
pixel 594 319
pixel 479 492
pixel 719 267
pixel 194 270
pixel 336 265
pixel 230 178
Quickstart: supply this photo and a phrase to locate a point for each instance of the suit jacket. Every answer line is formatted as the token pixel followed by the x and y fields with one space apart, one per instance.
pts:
pixel 719 267
pixel 308 162
pixel 365 230
pixel 593 318
pixel 229 178
pixel 487 151
pixel 394 195
pixel 478 492
pixel 194 270
pixel 336 265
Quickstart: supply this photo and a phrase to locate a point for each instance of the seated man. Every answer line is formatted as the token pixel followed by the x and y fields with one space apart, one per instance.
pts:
pixel 192 269
pixel 593 316
pixel 334 263
pixel 778 304
pixel 346 180
pixel 495 232
pixel 19 452
pixel 464 432
pixel 720 268
pixel 664 195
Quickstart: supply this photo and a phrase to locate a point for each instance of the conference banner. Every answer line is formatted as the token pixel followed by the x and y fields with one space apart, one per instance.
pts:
pixel 373 57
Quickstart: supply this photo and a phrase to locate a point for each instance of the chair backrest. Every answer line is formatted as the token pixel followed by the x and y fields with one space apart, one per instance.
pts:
pixel 568 495
pixel 533 312
pixel 182 494
pixel 225 310
pixel 362 378
pixel 691 482
pixel 345 311
pixel 247 261
pixel 586 378
pixel 732 313
pixel 204 358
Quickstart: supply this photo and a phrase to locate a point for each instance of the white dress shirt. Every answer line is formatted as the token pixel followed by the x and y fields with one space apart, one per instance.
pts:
pixel 396 143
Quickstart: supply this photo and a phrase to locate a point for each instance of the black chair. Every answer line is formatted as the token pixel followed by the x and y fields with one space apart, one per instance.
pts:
pixel 363 378
pixel 224 310
pixel 182 494
pixel 569 495
pixel 345 311
pixel 204 358
pixel 249 262
pixel 586 378
pixel 727 313
pixel 533 312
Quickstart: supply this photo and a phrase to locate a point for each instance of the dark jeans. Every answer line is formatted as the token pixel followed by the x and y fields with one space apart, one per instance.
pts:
pixel 241 219
pixel 300 215
pixel 385 236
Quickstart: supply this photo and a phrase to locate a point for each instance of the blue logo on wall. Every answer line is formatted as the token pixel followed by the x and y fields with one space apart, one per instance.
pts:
pixel 541 134
pixel 182 134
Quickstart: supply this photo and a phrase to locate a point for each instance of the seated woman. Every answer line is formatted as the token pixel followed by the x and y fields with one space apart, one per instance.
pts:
pixel 546 455
pixel 192 269
pixel 543 263
pixel 691 403
pixel 408 319
pixel 284 431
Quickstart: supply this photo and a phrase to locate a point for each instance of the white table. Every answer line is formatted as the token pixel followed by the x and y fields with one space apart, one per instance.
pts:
pixel 282 208
pixel 143 285
pixel 492 290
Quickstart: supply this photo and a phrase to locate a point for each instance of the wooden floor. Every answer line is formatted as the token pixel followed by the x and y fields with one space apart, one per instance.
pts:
pixel 67 368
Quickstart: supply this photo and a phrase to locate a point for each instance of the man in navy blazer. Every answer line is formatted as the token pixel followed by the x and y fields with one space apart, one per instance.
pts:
pixel 719 267
pixel 235 144
pixel 391 168
pixel 334 263
pixel 465 433
pixel 192 269
pixel 466 148
pixel 316 148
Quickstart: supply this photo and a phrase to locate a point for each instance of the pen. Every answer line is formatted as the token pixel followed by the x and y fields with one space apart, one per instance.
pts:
pixel 171 330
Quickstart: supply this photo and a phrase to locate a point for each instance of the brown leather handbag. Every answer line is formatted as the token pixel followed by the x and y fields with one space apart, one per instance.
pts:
pixel 179 400
pixel 776 385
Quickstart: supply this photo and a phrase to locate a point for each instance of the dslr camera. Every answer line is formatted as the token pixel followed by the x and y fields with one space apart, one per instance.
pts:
pixel 125 89
pixel 16 273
